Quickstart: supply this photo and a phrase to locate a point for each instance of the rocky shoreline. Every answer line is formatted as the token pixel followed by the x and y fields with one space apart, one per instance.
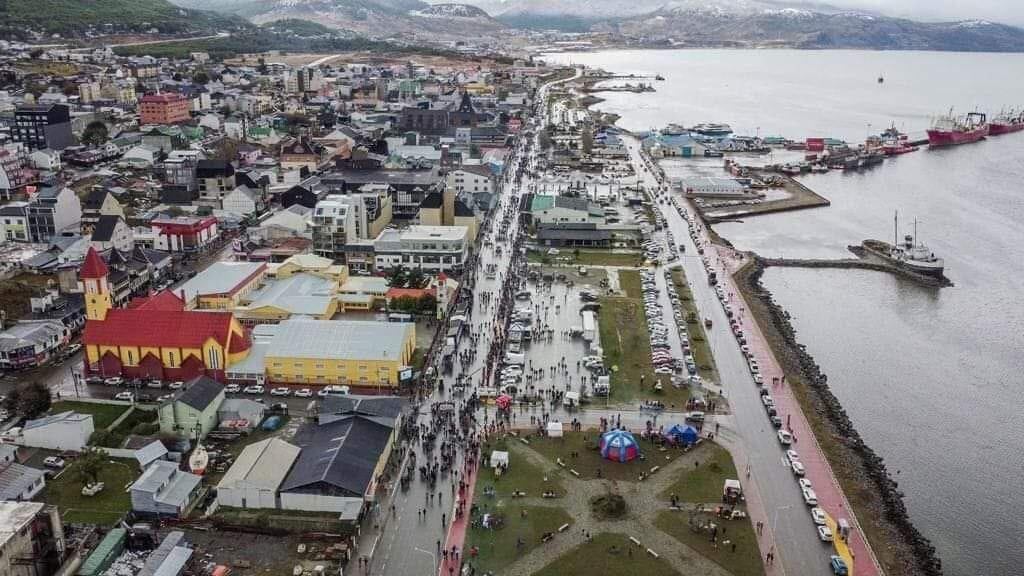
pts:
pixel 908 552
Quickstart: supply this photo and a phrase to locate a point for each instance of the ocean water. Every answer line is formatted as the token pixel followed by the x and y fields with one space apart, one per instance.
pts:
pixel 932 378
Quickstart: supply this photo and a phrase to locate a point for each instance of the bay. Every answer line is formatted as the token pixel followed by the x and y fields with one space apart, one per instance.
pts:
pixel 932 378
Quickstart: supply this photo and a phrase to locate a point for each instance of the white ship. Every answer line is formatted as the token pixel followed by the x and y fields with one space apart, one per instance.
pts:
pixel 913 254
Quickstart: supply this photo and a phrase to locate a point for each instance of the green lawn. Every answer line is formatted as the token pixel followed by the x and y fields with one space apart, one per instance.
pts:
pixel 589 460
pixel 497 548
pixel 627 347
pixel 522 475
pixel 745 560
pixel 569 257
pixel 103 415
pixel 105 508
pixel 608 555
pixel 699 346
pixel 703 483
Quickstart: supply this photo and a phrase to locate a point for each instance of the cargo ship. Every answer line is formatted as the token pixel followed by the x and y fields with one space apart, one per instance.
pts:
pixel 1006 123
pixel 952 130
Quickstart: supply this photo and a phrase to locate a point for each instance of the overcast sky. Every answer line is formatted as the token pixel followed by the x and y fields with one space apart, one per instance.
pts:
pixel 1005 11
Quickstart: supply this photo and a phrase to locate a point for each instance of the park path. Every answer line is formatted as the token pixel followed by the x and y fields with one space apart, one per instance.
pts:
pixel 644 502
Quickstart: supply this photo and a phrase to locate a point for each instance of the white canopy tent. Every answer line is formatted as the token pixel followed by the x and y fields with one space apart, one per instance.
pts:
pixel 555 429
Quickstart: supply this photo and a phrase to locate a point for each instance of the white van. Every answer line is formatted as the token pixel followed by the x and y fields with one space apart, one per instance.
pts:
pixel 333 391
pixel 515 359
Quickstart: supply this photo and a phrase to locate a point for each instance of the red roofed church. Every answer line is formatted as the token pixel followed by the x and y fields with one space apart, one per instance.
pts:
pixel 154 337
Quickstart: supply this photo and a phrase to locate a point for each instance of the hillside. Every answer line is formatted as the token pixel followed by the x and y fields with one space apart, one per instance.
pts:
pixel 806 29
pixel 401 20
pixel 74 17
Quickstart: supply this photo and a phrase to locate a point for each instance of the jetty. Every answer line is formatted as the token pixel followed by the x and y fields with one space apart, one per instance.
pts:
pixel 800 198
pixel 865 260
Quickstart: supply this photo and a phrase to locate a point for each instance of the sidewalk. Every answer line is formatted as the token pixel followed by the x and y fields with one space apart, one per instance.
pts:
pixel 830 495
pixel 458 527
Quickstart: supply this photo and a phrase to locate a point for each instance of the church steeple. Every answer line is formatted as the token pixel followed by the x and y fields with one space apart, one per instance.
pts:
pixel 94 274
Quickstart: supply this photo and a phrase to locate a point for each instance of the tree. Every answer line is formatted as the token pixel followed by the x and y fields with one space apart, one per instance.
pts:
pixel 415 278
pixel 36 54
pixel 427 304
pixel 405 304
pixel 95 134
pixel 88 465
pixel 397 277
pixel 587 141
pixel 28 400
pixel 226 150
pixel 201 77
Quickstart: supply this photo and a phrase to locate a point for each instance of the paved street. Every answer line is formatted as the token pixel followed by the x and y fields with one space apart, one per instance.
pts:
pixel 798 549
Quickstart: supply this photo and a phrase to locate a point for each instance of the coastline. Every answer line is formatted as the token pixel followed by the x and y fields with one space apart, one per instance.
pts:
pixel 899 546
pixel 871 490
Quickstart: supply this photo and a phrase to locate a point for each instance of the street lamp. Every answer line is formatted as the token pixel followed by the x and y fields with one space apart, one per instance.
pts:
pixel 433 557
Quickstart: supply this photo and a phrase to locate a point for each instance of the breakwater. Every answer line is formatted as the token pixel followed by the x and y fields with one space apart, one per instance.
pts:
pixel 867 260
pixel 900 546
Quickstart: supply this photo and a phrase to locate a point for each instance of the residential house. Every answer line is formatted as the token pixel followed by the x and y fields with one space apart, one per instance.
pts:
pixel 99 202
pixel 216 179
pixel 14 222
pixel 164 490
pixel 471 179
pixel 243 201
pixel 18 483
pixel 111 232
pixel 46 159
pixel 301 153
pixel 45 125
pixel 192 413
pixel 184 233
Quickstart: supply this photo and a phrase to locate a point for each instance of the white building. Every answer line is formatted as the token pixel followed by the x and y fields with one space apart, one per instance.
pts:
pixel 334 224
pixel 471 179
pixel 242 201
pixel 255 477
pixel 65 431
pixel 430 248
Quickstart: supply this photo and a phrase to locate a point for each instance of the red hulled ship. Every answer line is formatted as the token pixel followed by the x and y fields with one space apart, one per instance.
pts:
pixel 952 130
pixel 1006 123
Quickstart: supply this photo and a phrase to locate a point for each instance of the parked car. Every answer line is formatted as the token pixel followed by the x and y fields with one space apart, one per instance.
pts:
pixel 825 533
pixel 114 381
pixel 232 389
pixel 280 392
pixel 798 467
pixel 53 462
pixel 126 396
pixel 303 393
pixel 177 385
pixel 785 438
pixel 838 566
pixel 253 389
pixel 792 455
pixel 818 515
pixel 810 498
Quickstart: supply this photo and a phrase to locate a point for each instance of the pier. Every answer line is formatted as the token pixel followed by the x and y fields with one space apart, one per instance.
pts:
pixel 800 198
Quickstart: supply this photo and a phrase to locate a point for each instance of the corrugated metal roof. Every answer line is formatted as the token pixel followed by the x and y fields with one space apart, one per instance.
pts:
pixel 339 339
pixel 264 464
pixel 343 454
pixel 219 278
pixel 200 392
pixel 301 293
pixel 15 479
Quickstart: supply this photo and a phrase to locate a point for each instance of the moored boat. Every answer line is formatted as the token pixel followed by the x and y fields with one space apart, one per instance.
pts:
pixel 1006 123
pixel 952 130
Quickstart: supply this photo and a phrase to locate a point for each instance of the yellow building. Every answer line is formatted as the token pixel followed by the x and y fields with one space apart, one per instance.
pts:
pixel 222 286
pixel 330 352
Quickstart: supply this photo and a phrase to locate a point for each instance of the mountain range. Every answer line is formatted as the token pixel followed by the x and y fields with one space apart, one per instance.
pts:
pixel 739 23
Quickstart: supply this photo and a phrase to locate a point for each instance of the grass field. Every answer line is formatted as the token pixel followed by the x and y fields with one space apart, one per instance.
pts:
pixel 105 508
pixel 522 475
pixel 626 342
pixel 703 483
pixel 699 346
pixel 103 415
pixel 498 548
pixel 589 460
pixel 744 560
pixel 587 258
pixel 608 554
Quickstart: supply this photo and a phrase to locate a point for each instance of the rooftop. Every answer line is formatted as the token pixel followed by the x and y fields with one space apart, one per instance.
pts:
pixel 302 293
pixel 340 339
pixel 263 464
pixel 220 278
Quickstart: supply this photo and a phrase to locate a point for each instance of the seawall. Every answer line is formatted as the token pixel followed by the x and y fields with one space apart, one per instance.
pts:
pixel 899 545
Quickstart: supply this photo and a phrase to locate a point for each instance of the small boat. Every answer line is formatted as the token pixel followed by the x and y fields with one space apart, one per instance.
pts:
pixel 199 460
pixel 881 80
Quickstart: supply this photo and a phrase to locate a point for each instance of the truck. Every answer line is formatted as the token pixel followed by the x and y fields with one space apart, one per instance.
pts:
pixel 589 325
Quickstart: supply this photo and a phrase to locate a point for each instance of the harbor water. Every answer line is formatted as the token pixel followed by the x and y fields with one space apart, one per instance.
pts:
pixel 932 378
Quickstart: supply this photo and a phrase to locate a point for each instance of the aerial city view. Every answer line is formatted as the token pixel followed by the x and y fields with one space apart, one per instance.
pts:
pixel 511 287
